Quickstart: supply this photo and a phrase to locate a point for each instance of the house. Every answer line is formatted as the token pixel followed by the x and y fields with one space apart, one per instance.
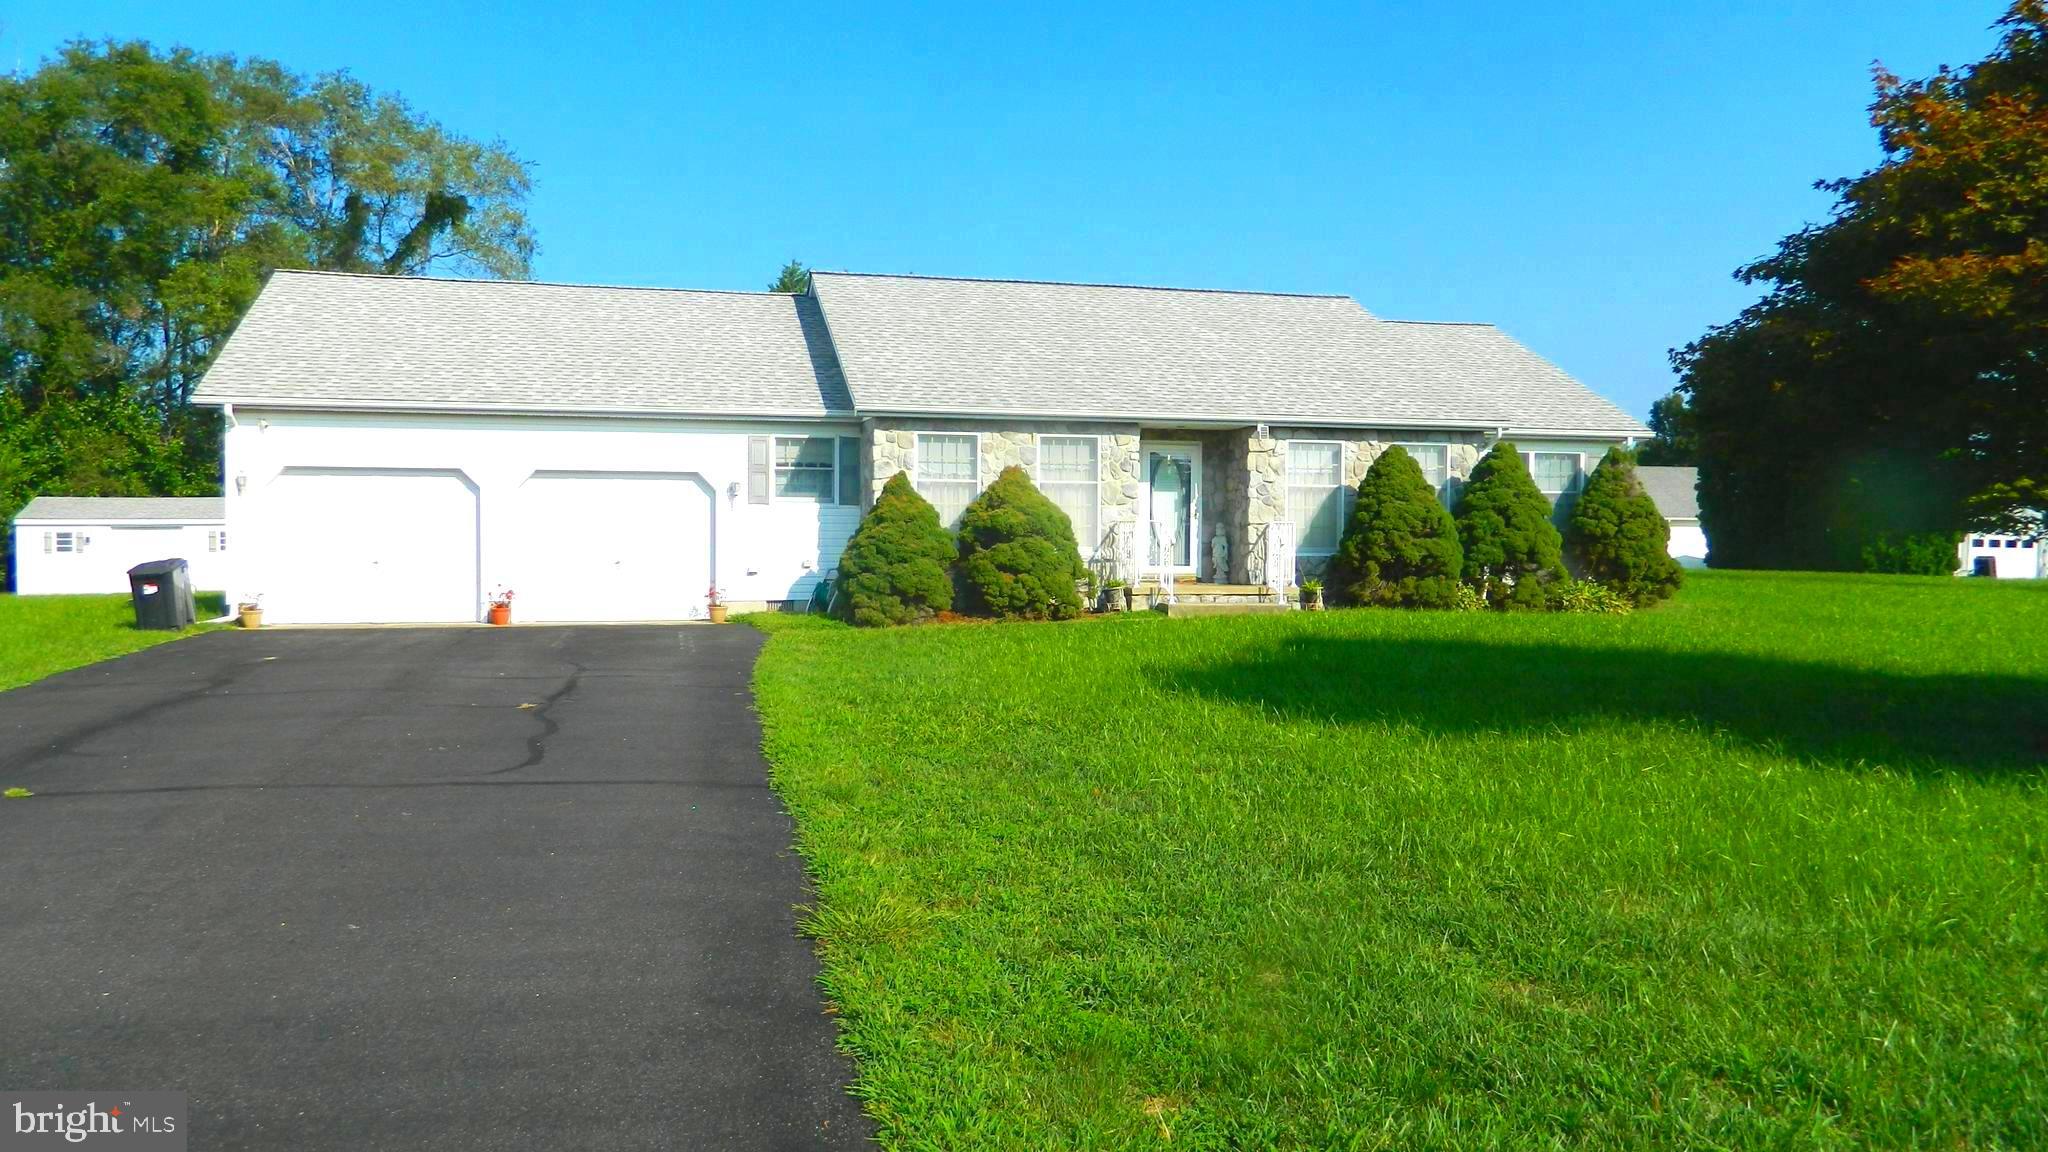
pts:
pixel 1676 492
pixel 2003 556
pixel 88 543
pixel 398 449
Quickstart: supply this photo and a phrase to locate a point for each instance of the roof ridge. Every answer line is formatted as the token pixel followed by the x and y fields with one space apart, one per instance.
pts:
pixel 1080 284
pixel 530 283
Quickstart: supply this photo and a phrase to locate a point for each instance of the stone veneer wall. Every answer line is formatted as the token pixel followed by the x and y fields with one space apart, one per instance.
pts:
pixel 892 448
pixel 1244 481
pixel 1362 446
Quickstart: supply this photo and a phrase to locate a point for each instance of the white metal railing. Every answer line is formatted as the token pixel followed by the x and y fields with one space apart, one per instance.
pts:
pixel 1271 561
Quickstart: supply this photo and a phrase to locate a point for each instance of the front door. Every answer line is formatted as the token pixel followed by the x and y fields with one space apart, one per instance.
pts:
pixel 1173 508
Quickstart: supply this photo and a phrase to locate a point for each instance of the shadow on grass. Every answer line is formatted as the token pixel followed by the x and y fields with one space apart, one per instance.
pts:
pixel 1981 724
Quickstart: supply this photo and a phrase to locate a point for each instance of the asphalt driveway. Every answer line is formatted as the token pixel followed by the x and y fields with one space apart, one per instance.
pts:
pixel 415 888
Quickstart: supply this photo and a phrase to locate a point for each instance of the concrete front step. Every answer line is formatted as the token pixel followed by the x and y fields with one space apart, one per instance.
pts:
pixel 1242 607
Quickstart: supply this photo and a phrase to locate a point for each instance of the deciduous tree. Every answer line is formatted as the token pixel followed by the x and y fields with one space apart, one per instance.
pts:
pixel 144 194
pixel 1894 381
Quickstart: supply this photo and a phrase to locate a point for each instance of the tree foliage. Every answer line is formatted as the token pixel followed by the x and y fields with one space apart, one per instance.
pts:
pixel 1618 538
pixel 1673 440
pixel 1894 381
pixel 898 566
pixel 1400 547
pixel 1927 554
pixel 1512 551
pixel 794 278
pixel 1018 557
pixel 143 196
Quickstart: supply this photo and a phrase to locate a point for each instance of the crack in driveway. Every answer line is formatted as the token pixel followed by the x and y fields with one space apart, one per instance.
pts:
pixel 537 744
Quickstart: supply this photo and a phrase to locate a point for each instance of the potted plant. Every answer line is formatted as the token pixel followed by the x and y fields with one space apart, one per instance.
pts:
pixel 1113 592
pixel 501 606
pixel 250 612
pixel 1312 595
pixel 718 609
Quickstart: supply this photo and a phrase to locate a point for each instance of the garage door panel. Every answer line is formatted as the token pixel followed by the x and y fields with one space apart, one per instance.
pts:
pixel 614 546
pixel 364 545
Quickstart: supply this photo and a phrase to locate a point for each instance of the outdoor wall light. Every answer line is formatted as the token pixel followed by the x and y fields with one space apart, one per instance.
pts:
pixel 241 483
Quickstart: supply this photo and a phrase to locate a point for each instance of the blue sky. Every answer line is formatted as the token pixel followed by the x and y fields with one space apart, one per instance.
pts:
pixel 1586 176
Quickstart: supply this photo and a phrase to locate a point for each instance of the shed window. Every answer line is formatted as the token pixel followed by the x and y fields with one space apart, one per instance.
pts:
pixel 67 541
pixel 804 467
pixel 217 540
pixel 947 473
pixel 1068 474
pixel 1315 493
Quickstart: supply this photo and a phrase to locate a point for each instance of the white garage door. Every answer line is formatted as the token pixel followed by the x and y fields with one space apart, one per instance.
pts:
pixel 366 545
pixel 613 546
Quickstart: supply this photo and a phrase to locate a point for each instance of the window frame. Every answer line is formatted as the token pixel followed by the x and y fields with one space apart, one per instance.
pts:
pixel 776 468
pixel 917 476
pixel 1578 483
pixel 1038 439
pixel 67 541
pixel 1409 446
pixel 1301 547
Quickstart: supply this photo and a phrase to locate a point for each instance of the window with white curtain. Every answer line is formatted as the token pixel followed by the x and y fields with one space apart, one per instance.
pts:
pixel 1315 493
pixel 804 467
pixel 947 473
pixel 1435 460
pixel 1557 476
pixel 1069 475
pixel 1556 473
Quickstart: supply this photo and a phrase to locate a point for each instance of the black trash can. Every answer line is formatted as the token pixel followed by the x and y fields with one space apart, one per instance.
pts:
pixel 162 590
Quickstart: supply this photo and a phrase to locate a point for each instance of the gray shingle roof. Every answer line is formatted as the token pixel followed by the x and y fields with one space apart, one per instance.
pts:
pixel 316 338
pixel 98 509
pixel 1676 490
pixel 971 347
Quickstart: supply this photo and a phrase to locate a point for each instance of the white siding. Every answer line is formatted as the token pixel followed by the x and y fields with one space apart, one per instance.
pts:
pixel 754 552
pixel 1688 544
pixel 113 548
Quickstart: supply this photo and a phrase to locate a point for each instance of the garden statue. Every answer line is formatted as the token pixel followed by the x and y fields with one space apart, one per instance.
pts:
pixel 1219 555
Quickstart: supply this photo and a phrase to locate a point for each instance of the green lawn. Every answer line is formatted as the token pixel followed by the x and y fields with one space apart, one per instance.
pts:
pixel 1763 867
pixel 40 635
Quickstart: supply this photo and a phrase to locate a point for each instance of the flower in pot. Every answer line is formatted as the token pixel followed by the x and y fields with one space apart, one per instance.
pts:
pixel 1113 593
pixel 249 612
pixel 501 606
pixel 718 609
pixel 1312 595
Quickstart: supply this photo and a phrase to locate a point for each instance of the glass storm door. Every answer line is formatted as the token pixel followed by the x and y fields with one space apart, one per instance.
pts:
pixel 1173 503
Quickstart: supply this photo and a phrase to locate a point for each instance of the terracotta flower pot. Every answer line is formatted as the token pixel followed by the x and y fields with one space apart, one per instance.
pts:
pixel 500 614
pixel 251 618
pixel 718 612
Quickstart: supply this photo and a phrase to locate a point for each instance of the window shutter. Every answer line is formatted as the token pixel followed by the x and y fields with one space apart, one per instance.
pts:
pixel 49 541
pixel 757 469
pixel 849 470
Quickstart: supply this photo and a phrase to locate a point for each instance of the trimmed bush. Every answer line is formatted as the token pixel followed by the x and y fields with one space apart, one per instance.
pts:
pixel 1400 547
pixel 1927 554
pixel 1017 552
pixel 896 569
pixel 1616 536
pixel 1513 552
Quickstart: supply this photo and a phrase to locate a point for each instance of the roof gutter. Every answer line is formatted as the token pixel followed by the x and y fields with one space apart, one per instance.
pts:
pixel 1176 420
pixel 424 408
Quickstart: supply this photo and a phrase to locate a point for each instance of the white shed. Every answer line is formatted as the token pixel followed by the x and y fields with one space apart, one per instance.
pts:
pixel 1676 491
pixel 73 544
pixel 2003 556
